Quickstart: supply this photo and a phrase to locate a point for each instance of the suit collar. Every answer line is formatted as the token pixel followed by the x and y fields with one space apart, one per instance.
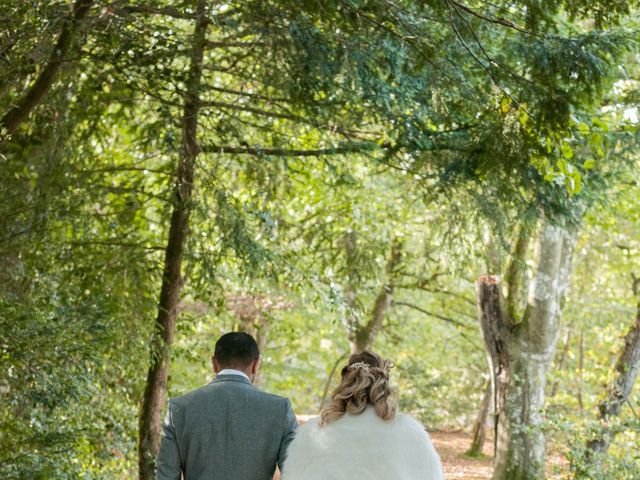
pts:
pixel 231 378
pixel 233 371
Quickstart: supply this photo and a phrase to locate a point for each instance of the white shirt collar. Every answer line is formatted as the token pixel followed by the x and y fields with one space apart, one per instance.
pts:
pixel 232 371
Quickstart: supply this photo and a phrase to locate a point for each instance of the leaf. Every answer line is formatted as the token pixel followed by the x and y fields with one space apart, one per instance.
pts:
pixel 566 150
pixel 562 165
pixel 583 128
pixel 589 164
pixel 597 122
pixel 505 105
pixel 577 187
pixel 595 140
pixel 523 118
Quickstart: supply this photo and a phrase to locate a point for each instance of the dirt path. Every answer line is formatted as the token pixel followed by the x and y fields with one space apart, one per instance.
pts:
pixel 457 466
pixel 451 446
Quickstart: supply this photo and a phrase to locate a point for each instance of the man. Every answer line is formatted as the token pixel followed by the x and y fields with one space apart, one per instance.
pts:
pixel 227 430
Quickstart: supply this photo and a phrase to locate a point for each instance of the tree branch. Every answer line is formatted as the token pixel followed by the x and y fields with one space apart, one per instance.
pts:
pixel 16 115
pixel 360 147
pixel 238 44
pixel 498 20
pixel 168 11
pixel 115 243
pixel 450 320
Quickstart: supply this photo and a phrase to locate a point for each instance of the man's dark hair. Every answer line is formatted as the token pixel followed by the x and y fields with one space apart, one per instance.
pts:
pixel 236 349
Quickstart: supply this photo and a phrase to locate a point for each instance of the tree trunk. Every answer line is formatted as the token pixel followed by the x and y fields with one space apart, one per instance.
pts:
pixel 562 360
pixel 580 371
pixel 16 115
pixel 517 273
pixel 496 331
pixel 480 426
pixel 156 387
pixel 521 353
pixel 353 279
pixel 365 335
pixel 626 371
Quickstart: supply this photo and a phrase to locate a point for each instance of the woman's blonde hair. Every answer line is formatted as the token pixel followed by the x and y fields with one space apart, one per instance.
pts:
pixel 365 381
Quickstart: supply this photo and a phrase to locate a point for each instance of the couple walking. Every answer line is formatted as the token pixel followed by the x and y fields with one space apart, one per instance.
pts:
pixel 230 430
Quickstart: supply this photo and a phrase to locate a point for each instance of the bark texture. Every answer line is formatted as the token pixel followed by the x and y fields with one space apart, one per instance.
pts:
pixel 517 274
pixel 156 386
pixel 19 112
pixel 521 350
pixel 625 374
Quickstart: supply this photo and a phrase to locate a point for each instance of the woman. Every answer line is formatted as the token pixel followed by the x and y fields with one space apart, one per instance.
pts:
pixel 360 435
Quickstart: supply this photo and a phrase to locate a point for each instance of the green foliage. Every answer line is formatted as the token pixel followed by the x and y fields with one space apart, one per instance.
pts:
pixel 457 120
pixel 621 462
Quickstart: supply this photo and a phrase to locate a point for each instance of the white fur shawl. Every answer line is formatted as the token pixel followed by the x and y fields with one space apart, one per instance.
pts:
pixel 362 447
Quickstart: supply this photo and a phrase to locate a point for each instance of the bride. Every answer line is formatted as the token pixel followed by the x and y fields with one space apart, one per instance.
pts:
pixel 360 435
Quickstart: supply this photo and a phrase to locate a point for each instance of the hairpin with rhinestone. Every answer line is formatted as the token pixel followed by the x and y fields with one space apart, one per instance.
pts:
pixel 359 365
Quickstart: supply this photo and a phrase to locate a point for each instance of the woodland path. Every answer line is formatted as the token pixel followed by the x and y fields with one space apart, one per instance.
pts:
pixel 457 466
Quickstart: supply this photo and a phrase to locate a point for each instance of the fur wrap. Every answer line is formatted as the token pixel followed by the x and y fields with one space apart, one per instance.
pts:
pixel 362 447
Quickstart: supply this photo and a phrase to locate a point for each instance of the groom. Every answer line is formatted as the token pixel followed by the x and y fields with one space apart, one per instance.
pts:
pixel 228 429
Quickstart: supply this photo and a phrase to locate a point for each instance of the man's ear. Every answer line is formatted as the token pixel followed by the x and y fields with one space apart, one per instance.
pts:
pixel 254 367
pixel 216 365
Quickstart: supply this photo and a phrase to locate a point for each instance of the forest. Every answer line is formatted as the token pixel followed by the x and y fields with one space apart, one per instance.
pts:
pixel 454 184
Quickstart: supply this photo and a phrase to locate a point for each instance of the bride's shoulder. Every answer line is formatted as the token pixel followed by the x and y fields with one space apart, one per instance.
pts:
pixel 308 425
pixel 304 420
pixel 407 419
pixel 407 422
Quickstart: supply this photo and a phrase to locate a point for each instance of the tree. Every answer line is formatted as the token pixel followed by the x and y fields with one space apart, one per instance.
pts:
pixel 47 76
pixel 156 386
pixel 293 97
pixel 479 430
pixel 522 350
pixel 625 374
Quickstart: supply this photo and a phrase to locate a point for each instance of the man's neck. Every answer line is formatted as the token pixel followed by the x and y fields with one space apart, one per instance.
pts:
pixel 233 371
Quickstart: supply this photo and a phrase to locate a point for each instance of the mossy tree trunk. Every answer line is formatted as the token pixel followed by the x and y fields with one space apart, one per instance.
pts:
pixel 521 345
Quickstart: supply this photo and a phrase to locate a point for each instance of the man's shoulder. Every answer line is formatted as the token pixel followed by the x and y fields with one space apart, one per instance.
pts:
pixel 271 402
pixel 207 391
pixel 272 397
pixel 187 398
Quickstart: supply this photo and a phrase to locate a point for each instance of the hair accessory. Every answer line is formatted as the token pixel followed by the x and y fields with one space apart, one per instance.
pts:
pixel 359 365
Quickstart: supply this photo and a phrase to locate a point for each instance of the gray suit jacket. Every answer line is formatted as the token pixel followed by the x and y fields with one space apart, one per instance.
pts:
pixel 227 430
